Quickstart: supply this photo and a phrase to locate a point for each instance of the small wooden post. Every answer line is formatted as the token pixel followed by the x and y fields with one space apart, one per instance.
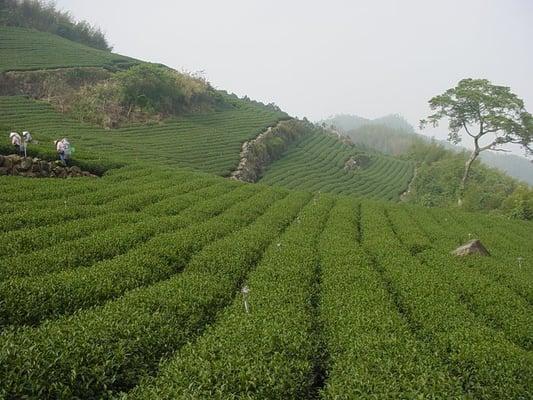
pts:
pixel 245 290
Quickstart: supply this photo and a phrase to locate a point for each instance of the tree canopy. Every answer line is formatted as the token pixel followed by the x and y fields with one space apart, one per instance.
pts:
pixel 487 113
pixel 44 16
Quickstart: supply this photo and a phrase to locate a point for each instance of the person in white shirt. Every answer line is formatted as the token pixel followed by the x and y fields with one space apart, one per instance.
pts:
pixel 63 149
pixel 16 141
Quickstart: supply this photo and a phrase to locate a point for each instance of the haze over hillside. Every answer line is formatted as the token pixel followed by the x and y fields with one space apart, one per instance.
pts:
pixel 392 134
pixel 317 59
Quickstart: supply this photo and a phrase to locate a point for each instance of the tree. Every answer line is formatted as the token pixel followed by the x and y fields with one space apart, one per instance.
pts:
pixel 487 113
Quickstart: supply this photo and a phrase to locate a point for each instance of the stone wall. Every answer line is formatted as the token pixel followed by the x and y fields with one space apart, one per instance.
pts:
pixel 260 152
pixel 37 168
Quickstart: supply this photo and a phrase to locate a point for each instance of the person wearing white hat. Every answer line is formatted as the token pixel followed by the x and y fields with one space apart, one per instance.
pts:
pixel 63 149
pixel 16 141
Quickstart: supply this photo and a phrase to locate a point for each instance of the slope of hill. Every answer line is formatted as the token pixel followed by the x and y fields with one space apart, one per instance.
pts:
pixel 210 142
pixel 28 49
pixel 158 282
pixel 105 281
pixel 318 163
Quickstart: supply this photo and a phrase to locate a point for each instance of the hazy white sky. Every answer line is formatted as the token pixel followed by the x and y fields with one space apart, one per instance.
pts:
pixel 317 58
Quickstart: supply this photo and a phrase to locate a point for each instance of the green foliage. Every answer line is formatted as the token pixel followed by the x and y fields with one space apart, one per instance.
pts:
pixel 317 163
pixel 493 111
pixel 26 49
pixel 434 295
pixel 437 183
pixel 346 299
pixel 209 141
pixel 269 352
pixel 44 16
pixel 158 89
pixel 491 108
pixel 519 204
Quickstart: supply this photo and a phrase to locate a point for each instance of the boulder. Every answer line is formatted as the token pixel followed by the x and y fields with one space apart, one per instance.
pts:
pixel 15 159
pixel 351 164
pixel 44 167
pixel 25 164
pixel 75 171
pixel 35 168
pixel 7 164
pixel 472 247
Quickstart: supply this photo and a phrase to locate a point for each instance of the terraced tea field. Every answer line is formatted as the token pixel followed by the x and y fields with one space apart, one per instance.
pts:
pixel 317 164
pixel 130 285
pixel 28 49
pixel 209 142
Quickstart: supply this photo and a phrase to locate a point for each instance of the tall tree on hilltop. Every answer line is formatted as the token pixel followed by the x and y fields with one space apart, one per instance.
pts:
pixel 487 113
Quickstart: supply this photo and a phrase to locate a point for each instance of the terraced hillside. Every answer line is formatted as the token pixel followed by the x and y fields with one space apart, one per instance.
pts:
pixel 131 284
pixel 209 142
pixel 28 49
pixel 317 164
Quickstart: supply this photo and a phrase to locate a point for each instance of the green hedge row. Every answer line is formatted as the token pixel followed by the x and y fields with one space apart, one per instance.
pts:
pixel 100 352
pixel 372 352
pixel 269 352
pixel 488 365
pixel 32 299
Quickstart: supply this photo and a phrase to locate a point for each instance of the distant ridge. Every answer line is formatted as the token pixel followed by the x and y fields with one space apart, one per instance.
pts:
pixel 392 134
pixel 347 122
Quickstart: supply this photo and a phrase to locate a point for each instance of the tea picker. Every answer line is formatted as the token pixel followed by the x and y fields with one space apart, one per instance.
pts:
pixel 16 141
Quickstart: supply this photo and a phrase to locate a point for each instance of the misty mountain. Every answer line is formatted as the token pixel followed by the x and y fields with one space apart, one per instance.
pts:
pixel 347 122
pixel 392 134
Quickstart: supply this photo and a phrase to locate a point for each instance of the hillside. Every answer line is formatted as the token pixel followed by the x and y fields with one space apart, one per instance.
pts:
pixel 318 163
pixel 28 49
pixel 209 142
pixel 163 279
pixel 395 136
pixel 143 260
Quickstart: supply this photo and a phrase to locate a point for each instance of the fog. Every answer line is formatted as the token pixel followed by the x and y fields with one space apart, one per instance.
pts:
pixel 318 58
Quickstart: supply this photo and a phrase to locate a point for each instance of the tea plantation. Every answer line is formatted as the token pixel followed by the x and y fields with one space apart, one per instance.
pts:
pixel 210 142
pixel 130 284
pixel 28 49
pixel 318 164
pixel 161 279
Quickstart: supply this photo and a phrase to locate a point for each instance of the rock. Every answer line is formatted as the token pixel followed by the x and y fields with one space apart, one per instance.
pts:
pixel 44 167
pixel 25 164
pixel 472 247
pixel 15 159
pixel 350 165
pixel 36 168
pixel 76 171
pixel 8 164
